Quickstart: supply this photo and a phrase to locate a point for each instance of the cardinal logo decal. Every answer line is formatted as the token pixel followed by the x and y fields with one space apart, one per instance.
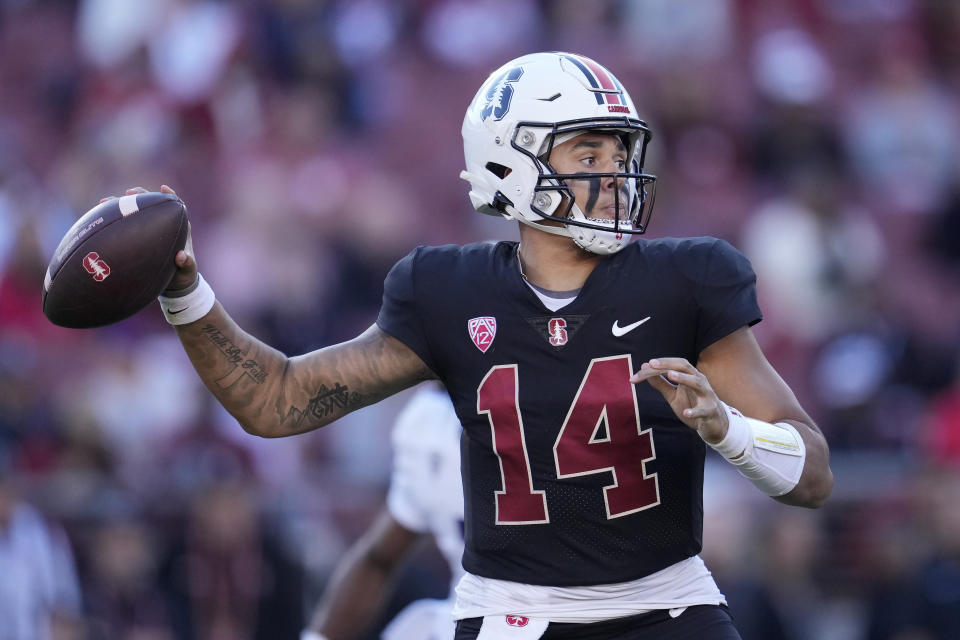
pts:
pixel 499 95
pixel 95 266
pixel 558 331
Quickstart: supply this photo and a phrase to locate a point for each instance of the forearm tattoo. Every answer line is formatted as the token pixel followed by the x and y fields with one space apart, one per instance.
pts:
pixel 295 394
pixel 242 366
pixel 325 403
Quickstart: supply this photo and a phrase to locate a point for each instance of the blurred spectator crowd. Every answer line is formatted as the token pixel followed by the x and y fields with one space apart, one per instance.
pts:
pixel 316 142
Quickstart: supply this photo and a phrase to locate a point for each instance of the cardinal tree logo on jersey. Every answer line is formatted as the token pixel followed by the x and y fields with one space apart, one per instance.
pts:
pixel 482 331
pixel 500 94
pixel 604 84
pixel 517 621
pixel 93 264
pixel 558 331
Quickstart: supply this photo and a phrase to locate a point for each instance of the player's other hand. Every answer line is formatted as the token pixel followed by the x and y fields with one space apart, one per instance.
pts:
pixel 689 394
pixel 186 272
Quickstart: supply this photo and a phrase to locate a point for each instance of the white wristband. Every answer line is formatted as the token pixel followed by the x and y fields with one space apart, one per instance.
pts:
pixel 771 456
pixel 310 634
pixel 190 305
pixel 739 436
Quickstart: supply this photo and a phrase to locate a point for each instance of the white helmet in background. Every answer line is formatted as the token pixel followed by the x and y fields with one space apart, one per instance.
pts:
pixel 526 108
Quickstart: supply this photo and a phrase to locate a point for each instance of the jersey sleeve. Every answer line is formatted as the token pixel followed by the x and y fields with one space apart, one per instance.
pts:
pixel 726 296
pixel 401 314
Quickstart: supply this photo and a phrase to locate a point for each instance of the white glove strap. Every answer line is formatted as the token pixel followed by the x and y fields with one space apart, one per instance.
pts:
pixel 771 456
pixel 310 634
pixel 188 305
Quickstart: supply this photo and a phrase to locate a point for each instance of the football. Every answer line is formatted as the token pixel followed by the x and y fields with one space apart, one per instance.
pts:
pixel 115 260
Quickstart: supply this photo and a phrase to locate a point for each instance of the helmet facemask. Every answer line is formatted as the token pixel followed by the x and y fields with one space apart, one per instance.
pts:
pixel 553 197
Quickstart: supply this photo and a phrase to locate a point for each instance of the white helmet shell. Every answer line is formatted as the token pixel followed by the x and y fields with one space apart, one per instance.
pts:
pixel 524 109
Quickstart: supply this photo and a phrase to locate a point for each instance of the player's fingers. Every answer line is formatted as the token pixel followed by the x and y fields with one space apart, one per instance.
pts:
pixel 654 377
pixel 186 273
pixel 677 364
pixel 645 372
pixel 129 192
pixel 188 245
pixel 692 381
pixel 184 260
pixel 700 411
pixel 662 385
pixel 135 190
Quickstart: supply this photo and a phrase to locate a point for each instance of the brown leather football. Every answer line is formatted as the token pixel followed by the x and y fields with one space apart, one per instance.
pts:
pixel 115 260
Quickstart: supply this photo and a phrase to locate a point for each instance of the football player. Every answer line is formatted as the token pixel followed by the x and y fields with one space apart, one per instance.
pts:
pixel 425 497
pixel 589 373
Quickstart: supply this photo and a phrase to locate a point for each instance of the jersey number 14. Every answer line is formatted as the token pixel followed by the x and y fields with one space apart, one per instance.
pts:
pixel 601 433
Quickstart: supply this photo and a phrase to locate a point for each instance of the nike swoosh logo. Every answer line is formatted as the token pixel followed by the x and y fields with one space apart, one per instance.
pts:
pixel 619 331
pixel 173 313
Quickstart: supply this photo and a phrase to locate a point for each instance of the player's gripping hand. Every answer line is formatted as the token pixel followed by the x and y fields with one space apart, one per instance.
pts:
pixel 689 394
pixel 186 272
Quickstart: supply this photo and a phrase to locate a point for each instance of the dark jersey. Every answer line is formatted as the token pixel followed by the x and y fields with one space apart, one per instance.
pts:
pixel 572 475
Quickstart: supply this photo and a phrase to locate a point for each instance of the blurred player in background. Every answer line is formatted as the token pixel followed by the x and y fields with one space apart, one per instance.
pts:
pixel 425 497
pixel 39 591
pixel 582 486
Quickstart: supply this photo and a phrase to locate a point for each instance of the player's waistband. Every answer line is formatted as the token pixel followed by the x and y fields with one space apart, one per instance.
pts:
pixel 684 584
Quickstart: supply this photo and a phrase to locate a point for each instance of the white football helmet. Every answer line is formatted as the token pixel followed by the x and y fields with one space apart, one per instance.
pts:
pixel 524 109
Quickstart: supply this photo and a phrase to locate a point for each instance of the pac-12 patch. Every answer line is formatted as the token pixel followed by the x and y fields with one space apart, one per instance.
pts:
pixel 482 331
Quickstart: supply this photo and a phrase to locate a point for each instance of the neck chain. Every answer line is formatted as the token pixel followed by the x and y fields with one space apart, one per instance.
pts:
pixel 520 264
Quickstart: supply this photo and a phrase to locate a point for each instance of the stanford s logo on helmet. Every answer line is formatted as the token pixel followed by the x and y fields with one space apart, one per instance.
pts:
pixel 525 109
pixel 499 95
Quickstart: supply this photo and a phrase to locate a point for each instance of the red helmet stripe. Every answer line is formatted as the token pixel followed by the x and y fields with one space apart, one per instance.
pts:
pixel 587 74
pixel 604 79
pixel 602 76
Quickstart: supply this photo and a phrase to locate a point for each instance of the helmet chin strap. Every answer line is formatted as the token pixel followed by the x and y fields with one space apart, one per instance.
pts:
pixel 600 242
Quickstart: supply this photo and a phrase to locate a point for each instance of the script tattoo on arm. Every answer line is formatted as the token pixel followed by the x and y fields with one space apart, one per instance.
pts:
pixel 243 366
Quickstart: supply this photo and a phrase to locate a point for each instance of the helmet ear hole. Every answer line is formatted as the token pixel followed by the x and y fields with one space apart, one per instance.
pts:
pixel 498 170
